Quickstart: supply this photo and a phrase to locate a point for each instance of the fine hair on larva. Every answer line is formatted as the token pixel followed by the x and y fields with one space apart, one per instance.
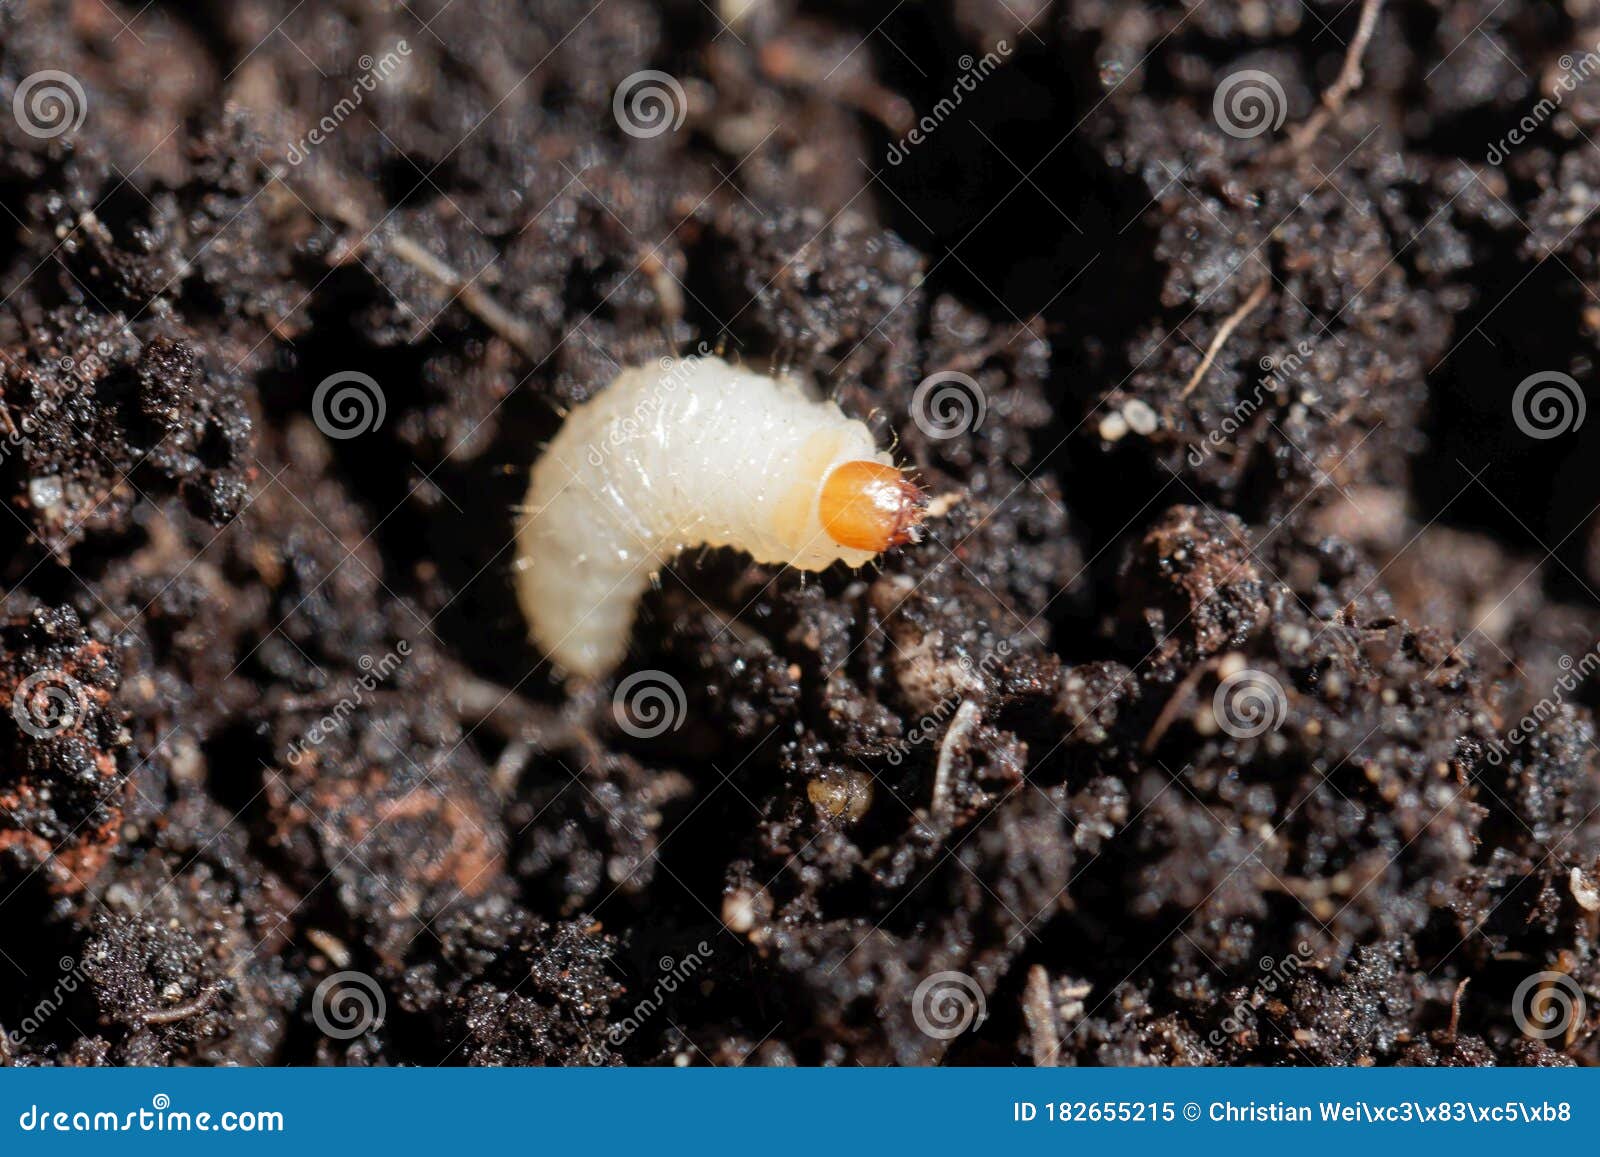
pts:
pixel 693 452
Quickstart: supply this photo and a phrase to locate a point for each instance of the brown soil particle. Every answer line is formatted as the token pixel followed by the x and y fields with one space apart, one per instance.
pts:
pixel 1236 705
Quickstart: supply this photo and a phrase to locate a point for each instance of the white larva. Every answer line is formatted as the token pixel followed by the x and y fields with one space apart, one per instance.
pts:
pixel 688 453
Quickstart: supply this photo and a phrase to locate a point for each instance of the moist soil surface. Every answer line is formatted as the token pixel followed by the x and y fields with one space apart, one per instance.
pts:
pixel 1191 732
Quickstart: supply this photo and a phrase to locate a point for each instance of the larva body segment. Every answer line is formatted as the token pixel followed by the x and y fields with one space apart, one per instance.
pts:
pixel 680 454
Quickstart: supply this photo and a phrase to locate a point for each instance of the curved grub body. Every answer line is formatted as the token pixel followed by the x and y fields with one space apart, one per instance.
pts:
pixel 677 455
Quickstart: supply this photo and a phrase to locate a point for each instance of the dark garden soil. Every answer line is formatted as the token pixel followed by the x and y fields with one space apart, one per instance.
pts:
pixel 1116 878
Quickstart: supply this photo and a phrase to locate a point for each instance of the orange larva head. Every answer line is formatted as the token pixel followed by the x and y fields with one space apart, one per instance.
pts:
pixel 866 505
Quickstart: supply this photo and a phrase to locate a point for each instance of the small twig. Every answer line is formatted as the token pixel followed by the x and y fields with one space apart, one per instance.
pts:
pixel 283 701
pixel 477 302
pixel 1175 703
pixel 967 717
pixel 1348 80
pixel 473 298
pixel 1039 1011
pixel 1257 296
pixel 509 767
pixel 791 62
pixel 183 1011
pixel 515 719
pixel 1455 1008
